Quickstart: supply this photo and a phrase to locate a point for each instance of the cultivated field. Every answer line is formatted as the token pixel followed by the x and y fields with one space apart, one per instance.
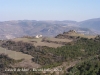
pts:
pixel 48 44
pixel 81 35
pixel 15 55
pixel 27 39
pixel 38 41
pixel 27 62
pixel 59 40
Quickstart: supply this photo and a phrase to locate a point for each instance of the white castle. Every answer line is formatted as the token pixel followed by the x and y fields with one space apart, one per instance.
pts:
pixel 38 36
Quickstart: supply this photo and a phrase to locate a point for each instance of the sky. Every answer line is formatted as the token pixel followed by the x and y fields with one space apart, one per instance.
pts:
pixel 77 10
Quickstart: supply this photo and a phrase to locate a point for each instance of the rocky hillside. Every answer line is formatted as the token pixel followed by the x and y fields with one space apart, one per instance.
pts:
pixel 72 34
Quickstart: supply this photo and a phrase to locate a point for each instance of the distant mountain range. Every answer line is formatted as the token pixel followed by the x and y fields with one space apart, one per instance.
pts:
pixel 19 28
pixel 93 24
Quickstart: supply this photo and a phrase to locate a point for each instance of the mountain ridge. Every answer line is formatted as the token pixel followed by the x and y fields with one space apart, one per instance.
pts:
pixel 18 28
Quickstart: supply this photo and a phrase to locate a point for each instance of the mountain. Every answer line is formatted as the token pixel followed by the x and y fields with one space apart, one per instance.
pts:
pixel 19 28
pixel 93 24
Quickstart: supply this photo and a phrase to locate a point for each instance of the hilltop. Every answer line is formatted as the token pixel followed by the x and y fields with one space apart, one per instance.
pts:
pixel 57 41
pixel 72 34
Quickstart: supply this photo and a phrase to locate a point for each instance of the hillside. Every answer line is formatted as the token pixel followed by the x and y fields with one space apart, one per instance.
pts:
pixel 91 23
pixel 74 50
pixel 19 28
pixel 72 34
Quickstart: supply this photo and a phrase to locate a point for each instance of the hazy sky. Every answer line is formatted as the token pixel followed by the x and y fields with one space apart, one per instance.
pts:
pixel 49 9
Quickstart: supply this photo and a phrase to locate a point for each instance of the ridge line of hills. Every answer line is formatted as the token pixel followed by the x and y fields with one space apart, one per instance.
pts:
pixel 19 28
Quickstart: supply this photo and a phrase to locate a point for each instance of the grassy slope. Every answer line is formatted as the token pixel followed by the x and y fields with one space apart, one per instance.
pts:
pixel 81 35
pixel 58 40
pixel 15 55
pixel 39 42
pixel 27 62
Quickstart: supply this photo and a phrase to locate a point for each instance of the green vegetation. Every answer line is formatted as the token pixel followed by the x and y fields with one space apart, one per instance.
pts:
pixel 5 62
pixel 49 57
pixel 46 55
pixel 81 48
pixel 88 67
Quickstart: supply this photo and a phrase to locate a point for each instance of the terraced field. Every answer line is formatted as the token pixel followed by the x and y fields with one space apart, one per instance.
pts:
pixel 81 35
pixel 15 55
pixel 59 40
pixel 27 62
pixel 38 42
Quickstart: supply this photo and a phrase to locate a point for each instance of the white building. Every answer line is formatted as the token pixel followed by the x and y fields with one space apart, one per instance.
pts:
pixel 38 36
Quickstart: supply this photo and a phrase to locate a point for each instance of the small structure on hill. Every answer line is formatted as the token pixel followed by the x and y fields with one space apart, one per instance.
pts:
pixel 70 31
pixel 38 36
